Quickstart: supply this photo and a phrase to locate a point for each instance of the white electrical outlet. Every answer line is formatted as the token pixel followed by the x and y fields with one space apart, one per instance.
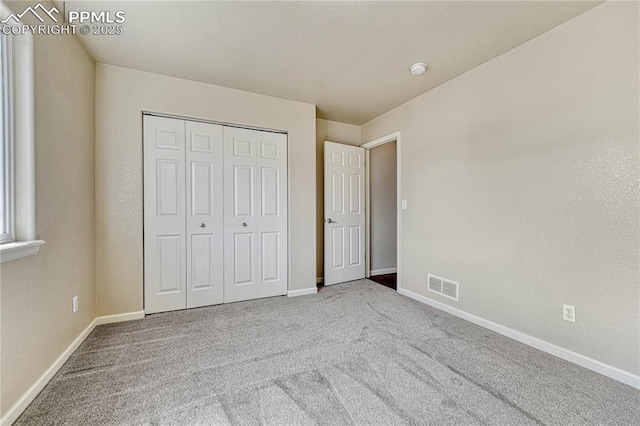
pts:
pixel 569 313
pixel 74 304
pixel 404 204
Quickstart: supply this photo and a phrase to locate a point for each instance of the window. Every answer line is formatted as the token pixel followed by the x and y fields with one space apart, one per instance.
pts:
pixel 17 147
pixel 7 201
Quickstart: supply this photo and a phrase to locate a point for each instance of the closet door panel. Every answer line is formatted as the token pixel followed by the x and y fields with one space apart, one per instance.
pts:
pixel 272 182
pixel 205 214
pixel 164 214
pixel 243 191
pixel 241 221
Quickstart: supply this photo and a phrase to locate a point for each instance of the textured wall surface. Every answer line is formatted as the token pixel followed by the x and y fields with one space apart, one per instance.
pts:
pixel 331 131
pixel 522 182
pixel 384 206
pixel 37 322
pixel 121 96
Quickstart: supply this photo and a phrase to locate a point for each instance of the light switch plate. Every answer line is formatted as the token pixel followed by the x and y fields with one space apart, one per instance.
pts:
pixel 404 204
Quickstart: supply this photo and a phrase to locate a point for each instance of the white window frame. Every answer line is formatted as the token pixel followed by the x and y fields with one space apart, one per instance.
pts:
pixel 8 141
pixel 22 156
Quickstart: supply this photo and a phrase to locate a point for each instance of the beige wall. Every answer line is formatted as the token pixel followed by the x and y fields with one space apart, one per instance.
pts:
pixel 37 323
pixel 384 206
pixel 121 96
pixel 522 184
pixel 332 131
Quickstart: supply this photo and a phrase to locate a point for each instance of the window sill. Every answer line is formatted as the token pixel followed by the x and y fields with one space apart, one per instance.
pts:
pixel 19 249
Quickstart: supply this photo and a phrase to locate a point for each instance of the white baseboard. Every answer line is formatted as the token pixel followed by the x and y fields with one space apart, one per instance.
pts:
pixel 319 280
pixel 129 316
pixel 574 357
pixel 303 292
pixel 375 272
pixel 21 404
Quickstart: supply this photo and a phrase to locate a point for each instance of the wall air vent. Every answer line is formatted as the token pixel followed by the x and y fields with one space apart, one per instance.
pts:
pixel 443 287
pixel 435 284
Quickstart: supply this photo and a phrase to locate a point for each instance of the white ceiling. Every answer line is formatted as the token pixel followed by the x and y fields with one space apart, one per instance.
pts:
pixel 351 59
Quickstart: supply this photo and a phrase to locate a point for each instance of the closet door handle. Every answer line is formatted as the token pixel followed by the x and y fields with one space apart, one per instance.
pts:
pixel 202 225
pixel 244 224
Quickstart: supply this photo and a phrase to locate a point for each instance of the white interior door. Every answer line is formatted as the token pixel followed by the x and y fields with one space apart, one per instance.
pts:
pixel 204 222
pixel 344 215
pixel 164 214
pixel 255 178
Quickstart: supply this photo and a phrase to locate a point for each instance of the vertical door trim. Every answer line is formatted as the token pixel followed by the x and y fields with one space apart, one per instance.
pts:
pixel 392 137
pixel 367 213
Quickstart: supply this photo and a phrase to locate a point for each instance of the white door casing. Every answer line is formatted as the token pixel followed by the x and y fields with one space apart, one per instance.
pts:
pixel 164 214
pixel 204 220
pixel 255 193
pixel 344 213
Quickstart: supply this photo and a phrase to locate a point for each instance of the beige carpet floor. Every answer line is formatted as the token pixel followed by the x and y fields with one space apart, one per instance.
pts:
pixel 355 353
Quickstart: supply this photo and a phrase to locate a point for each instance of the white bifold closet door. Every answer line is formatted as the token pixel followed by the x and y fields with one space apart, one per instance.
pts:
pixel 183 214
pixel 215 214
pixel 255 176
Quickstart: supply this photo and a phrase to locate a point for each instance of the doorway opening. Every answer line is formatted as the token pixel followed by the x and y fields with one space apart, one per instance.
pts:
pixel 362 206
pixel 382 214
pixel 383 210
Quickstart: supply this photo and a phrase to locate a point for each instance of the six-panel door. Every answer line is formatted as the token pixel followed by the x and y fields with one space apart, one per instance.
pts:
pixel 344 213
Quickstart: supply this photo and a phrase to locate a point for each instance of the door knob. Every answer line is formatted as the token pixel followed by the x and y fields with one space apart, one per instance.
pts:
pixel 202 225
pixel 331 221
pixel 244 224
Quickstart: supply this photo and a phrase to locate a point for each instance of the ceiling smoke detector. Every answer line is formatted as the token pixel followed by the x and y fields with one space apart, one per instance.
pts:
pixel 419 68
